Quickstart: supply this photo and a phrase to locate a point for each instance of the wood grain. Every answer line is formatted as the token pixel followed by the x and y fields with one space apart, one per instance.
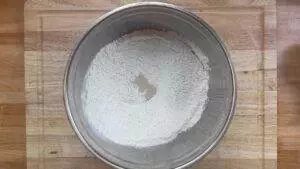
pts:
pixel 288 49
pixel 249 30
pixel 12 100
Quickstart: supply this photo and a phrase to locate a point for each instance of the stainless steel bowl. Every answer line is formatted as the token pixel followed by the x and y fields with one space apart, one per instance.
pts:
pixel 187 147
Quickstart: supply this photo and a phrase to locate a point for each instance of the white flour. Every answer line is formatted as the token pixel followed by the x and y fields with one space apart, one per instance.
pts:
pixel 145 88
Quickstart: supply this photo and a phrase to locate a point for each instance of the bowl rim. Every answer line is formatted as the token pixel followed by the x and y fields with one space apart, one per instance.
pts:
pixel 140 4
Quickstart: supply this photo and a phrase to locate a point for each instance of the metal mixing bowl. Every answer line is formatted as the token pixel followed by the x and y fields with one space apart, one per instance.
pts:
pixel 187 147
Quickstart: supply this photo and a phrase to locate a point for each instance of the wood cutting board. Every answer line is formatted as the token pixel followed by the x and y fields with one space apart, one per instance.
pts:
pixel 248 27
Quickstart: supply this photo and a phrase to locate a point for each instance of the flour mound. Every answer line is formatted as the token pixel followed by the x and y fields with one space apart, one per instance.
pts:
pixel 145 88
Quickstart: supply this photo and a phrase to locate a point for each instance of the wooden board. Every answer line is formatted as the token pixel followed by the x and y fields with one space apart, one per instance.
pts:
pixel 288 47
pixel 12 95
pixel 249 29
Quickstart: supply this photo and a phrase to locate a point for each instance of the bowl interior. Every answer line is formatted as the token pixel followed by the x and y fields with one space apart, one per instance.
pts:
pixel 189 145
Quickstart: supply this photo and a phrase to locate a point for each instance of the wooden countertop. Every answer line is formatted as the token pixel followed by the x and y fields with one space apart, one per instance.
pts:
pixel 12 102
pixel 288 52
